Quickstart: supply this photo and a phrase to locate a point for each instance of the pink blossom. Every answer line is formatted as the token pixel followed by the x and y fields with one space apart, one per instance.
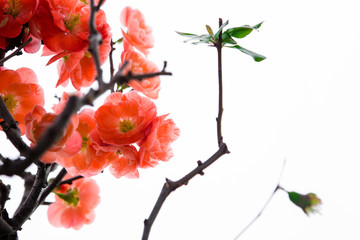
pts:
pixel 156 146
pixel 74 204
pixel 138 33
pixel 150 87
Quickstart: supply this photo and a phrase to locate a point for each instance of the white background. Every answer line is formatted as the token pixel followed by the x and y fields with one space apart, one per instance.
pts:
pixel 301 104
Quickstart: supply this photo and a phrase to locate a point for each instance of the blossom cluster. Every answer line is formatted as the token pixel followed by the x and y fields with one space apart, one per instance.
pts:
pixel 125 133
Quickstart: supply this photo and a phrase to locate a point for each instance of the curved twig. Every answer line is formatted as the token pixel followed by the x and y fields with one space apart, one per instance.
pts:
pixel 171 186
pixel 16 52
pixel 265 205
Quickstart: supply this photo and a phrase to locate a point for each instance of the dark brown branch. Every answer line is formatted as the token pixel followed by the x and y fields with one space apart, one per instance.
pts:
pixel 53 184
pixel 6 231
pixel 95 39
pixel 4 194
pixel 16 52
pixel 27 207
pixel 121 79
pixel 219 46
pixel 29 180
pixel 13 133
pixel 112 69
pixel 55 131
pixel 70 180
pixel 171 186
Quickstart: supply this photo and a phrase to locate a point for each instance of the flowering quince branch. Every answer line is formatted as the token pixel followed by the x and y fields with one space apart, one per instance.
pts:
pixel 171 186
pixel 125 133
pixel 33 195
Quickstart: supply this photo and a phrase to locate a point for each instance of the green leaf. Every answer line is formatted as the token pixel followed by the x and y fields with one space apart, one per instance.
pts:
pixel 226 38
pixel 217 34
pixel 210 31
pixel 185 34
pixel 257 57
pixel 257 26
pixel 243 31
pixel 205 38
pixel 118 41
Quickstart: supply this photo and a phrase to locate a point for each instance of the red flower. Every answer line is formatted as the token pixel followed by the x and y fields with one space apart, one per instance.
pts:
pixel 20 92
pixel 79 66
pixel 62 25
pixel 15 13
pixel 124 118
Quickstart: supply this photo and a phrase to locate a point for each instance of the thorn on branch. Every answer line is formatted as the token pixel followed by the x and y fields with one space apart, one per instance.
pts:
pixel 201 171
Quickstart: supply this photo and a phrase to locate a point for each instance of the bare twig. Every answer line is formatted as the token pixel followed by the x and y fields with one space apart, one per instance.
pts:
pixel 70 180
pixel 4 194
pixel 27 207
pixel 95 39
pixel 171 186
pixel 29 179
pixel 218 46
pixel 266 203
pixel 16 52
pixel 112 69
pixel 54 132
pixel 53 184
pixel 13 133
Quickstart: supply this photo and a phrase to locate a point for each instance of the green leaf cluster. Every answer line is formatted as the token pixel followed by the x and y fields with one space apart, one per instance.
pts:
pixel 227 37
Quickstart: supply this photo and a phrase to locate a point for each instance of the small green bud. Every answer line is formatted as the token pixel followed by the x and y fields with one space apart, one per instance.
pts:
pixel 308 203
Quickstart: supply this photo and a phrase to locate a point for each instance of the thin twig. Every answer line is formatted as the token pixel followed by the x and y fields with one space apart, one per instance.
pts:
pixel 95 39
pixel 4 194
pixel 171 186
pixel 112 69
pixel 16 52
pixel 219 46
pixel 54 132
pixel 53 184
pixel 70 180
pixel 266 203
pixel 27 207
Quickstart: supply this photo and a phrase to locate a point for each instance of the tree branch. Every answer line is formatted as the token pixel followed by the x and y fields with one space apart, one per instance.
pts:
pixel 27 207
pixel 265 205
pixel 218 46
pixel 94 41
pixel 53 184
pixel 4 194
pixel 171 186
pixel 13 133
pixel 70 180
